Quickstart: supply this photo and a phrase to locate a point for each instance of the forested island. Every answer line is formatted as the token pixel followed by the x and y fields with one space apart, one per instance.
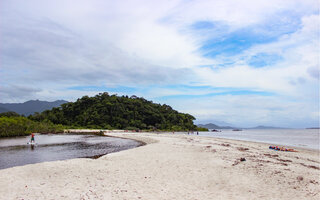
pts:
pixel 102 111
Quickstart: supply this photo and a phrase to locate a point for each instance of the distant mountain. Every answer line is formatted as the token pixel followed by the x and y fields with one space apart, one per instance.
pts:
pixel 3 110
pixel 214 126
pixel 30 107
pixel 221 123
pixel 209 126
pixel 266 127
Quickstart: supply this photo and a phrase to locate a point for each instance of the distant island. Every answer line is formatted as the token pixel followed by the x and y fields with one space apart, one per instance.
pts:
pixel 214 126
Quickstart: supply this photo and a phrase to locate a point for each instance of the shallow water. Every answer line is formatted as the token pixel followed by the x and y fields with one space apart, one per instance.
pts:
pixel 305 138
pixel 16 151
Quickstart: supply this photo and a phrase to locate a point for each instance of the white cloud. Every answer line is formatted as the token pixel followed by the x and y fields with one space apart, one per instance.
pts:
pixel 300 51
pixel 49 46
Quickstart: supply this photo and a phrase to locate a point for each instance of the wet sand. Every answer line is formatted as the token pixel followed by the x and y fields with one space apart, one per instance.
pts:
pixel 172 167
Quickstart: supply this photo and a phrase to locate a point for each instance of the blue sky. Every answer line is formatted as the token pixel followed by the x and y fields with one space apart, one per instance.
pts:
pixel 246 63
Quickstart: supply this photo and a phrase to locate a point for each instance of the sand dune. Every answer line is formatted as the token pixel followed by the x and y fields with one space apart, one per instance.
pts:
pixel 172 167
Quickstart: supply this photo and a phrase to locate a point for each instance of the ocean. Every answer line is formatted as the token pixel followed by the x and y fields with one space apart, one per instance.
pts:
pixel 305 138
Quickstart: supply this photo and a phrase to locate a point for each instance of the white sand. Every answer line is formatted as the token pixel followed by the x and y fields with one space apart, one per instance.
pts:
pixel 172 167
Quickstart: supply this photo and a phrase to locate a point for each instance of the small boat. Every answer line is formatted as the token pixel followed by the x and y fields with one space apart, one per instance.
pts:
pixel 237 129
pixel 215 130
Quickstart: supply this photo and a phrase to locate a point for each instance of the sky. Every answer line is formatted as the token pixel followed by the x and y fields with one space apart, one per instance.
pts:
pixel 243 62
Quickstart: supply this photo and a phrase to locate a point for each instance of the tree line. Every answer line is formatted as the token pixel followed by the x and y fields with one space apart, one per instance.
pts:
pixel 105 111
pixel 12 124
pixel 102 111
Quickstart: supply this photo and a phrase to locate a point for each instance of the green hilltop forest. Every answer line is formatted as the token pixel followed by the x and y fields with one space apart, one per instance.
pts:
pixel 105 111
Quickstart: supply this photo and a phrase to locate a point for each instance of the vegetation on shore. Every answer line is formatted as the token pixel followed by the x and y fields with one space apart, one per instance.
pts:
pixel 12 124
pixel 105 111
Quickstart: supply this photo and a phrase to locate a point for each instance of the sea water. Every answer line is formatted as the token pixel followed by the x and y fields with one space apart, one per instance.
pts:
pixel 305 138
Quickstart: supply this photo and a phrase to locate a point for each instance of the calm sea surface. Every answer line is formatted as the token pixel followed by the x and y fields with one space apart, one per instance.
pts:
pixel 306 138
pixel 16 151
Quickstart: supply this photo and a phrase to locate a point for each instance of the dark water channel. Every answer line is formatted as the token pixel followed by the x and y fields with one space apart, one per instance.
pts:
pixel 16 151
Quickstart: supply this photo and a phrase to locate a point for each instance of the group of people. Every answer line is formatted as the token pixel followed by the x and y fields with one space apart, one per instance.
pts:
pixel 193 132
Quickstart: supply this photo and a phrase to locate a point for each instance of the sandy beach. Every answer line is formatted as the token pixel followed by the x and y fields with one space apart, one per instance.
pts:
pixel 172 167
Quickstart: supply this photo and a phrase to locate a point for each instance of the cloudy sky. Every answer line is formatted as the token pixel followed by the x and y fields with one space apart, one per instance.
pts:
pixel 245 62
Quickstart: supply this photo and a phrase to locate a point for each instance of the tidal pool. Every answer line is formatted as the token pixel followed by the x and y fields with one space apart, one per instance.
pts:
pixel 52 147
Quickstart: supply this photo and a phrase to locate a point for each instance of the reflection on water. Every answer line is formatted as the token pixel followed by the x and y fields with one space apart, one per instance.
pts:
pixel 16 151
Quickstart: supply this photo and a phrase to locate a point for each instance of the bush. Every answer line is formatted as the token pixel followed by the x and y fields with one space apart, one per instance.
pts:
pixel 21 126
pixel 132 128
pixel 177 128
pixel 9 114
pixel 201 129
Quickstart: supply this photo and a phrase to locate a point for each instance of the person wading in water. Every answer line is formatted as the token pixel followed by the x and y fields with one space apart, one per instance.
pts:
pixel 32 138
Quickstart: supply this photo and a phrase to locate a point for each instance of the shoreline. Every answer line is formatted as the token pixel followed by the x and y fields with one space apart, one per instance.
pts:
pixel 172 166
pixel 102 132
pixel 245 140
pixel 269 144
pixel 297 138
